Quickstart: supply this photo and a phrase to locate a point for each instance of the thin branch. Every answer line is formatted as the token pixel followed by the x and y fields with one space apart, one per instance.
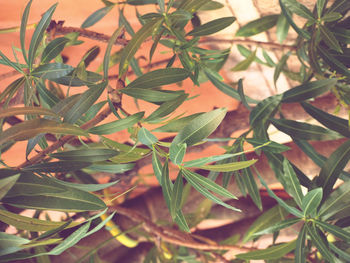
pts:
pixel 173 236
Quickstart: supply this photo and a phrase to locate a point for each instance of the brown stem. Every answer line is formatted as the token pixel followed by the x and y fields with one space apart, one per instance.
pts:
pixel 173 236
pixel 41 155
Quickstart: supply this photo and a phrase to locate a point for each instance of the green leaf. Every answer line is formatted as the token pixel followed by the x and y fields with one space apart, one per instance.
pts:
pixel 329 38
pixel 176 196
pixel 342 254
pixel 248 181
pixel 286 13
pixel 201 161
pixel 282 63
pixel 291 183
pixel 200 127
pixel 134 44
pixel 320 5
pixel 85 155
pixel 59 166
pixel 86 100
pixel 268 219
pixel 264 110
pixel 335 230
pixel 23 30
pixel 298 8
pixel 167 185
pixel 304 131
pixel 8 62
pixel 53 49
pixel 328 120
pixel 228 167
pixel 109 167
pixel 337 205
pixel 177 153
pixel 195 180
pixel 300 248
pixel 154 96
pixel 157 167
pixel 241 94
pixel 268 146
pixel 333 62
pixel 308 90
pixel 211 5
pixel 332 168
pixel 282 28
pixel 29 129
pixel 96 16
pixel 311 201
pixel 6 184
pixel 26 111
pixel 212 27
pixel 117 125
pixel 278 226
pixel 111 42
pixel 244 65
pixel 71 240
pixel 192 6
pixel 257 26
pixel 72 80
pixel 11 243
pixel 181 221
pixel 52 71
pixel 274 252
pixel 39 34
pixel 166 108
pixel 176 125
pixel 282 203
pixel 158 77
pixel 29 223
pixel 319 242
pixel 331 17
pixel 146 137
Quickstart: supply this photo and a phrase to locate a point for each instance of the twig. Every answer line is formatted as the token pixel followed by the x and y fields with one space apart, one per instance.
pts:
pixel 173 236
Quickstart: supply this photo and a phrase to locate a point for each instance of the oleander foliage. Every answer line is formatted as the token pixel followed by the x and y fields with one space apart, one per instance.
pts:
pixel 63 179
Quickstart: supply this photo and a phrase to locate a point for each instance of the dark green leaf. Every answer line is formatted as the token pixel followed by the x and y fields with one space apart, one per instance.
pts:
pixel 320 5
pixel 176 196
pixel 215 158
pixel 146 137
pixel 274 252
pixel 298 8
pixel 86 100
pixel 134 44
pixel 268 146
pixel 329 39
pixel 29 129
pixel 200 127
pixel 291 183
pixel 212 27
pixel 53 49
pixel 11 243
pixel 332 168
pixel 308 90
pixel 280 67
pixel 96 16
pixel 159 77
pixel 304 131
pixel 241 94
pixel 73 81
pixel 282 203
pixel 228 167
pixel 6 184
pixel 52 71
pixel 8 62
pixel 59 166
pixel 331 17
pixel 177 124
pixel 311 201
pixel 177 152
pixel 117 125
pixel 167 185
pixel 337 205
pixel 333 62
pixel 155 96
pixel 39 34
pixel 319 242
pixel 300 248
pixel 330 121
pixel 248 181
pixel 257 26
pixel 25 111
pixel 282 28
pixel 23 29
pixel 85 155
pixel 277 226
pixel 113 168
pixel 192 6
pixel 335 230
pixel 157 167
pixel 124 22
pixel 166 108
pixel 211 5
pixel 244 65
pixel 196 181
pixel 181 221
pixel 264 110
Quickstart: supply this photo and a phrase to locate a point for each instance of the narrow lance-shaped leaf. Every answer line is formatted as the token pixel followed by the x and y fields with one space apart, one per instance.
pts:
pixel 117 125
pixel 52 71
pixel 177 152
pixel 39 33
pixel 200 127
pixel 159 77
pixel 176 196
pixel 311 201
pixel 87 155
pixel 282 28
pixel 278 226
pixel 7 183
pixel 320 5
pixel 304 131
pixel 25 111
pixel 334 63
pixel 86 100
pixel 228 167
pixel 271 253
pixel 212 27
pixel 134 44
pixel 332 167
pixel 300 248
pixel 257 26
pixel 244 65
pixel 53 49
pixel 96 16
pixel 31 128
pixel 157 167
pixel 264 110
pixel 146 137
pixel 329 38
pixel 153 96
pixel 55 167
pixel 291 183
pixel 298 8
pixel 167 185
pixel 23 30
